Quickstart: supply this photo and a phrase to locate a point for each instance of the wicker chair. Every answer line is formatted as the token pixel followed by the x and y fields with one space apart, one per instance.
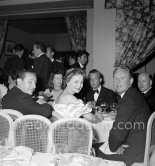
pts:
pixel 13 113
pixel 5 128
pixel 150 141
pixel 32 131
pixel 71 135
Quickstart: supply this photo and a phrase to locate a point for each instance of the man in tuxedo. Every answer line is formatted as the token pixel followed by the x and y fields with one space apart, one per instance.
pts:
pixel 42 66
pixel 98 92
pixel 128 134
pixel 145 86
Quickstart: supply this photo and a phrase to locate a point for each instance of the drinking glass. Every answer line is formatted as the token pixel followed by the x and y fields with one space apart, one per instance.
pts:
pixel 114 107
pixel 104 106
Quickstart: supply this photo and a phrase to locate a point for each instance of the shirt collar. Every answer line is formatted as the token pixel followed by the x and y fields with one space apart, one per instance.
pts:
pixel 40 55
pixel 81 65
pixel 147 90
pixel 99 88
pixel 122 94
pixel 52 59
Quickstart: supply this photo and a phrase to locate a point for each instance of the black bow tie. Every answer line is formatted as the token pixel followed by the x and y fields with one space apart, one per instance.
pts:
pixel 95 91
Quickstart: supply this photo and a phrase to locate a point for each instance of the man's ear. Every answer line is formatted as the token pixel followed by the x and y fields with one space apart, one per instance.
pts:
pixel 131 81
pixel 100 80
pixel 150 82
pixel 19 81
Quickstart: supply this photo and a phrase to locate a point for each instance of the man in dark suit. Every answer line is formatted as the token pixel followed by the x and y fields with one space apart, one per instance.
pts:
pixel 145 86
pixel 20 99
pixel 72 60
pixel 98 92
pixel 82 59
pixel 42 66
pixel 128 134
pixel 16 62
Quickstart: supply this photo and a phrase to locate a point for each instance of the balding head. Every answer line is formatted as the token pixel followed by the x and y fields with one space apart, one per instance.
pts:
pixel 144 81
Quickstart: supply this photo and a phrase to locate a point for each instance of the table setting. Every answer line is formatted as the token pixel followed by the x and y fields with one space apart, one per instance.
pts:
pixel 71 159
pixel 24 156
pixel 16 156
pixel 102 129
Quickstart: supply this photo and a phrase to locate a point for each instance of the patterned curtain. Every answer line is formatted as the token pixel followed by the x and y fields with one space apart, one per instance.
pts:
pixel 76 26
pixel 135 31
pixel 3 29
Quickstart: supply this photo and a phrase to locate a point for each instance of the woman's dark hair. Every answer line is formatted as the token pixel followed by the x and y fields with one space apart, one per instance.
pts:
pixel 72 72
pixel 50 84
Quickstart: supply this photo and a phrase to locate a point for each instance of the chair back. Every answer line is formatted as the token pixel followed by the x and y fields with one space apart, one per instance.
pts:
pixel 71 135
pixel 13 113
pixel 150 138
pixel 32 131
pixel 5 128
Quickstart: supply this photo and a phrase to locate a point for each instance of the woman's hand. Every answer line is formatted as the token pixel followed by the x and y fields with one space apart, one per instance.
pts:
pixel 91 104
pixel 92 118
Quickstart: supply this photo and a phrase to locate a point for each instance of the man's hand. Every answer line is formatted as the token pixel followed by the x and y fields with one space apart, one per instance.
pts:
pixel 121 149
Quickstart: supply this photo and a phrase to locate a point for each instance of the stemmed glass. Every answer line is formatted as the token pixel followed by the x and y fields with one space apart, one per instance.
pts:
pixel 104 107
pixel 114 107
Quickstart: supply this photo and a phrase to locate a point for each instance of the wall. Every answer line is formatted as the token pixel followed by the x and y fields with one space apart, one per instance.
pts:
pixel 149 67
pixel 17 36
pixel 61 42
pixel 89 40
pixel 104 41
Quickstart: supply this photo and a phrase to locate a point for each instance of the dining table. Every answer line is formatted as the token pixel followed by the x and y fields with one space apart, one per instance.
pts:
pixel 24 156
pixel 72 159
pixel 101 130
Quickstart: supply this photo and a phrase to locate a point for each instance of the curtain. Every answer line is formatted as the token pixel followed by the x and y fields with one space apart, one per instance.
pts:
pixel 76 26
pixel 3 29
pixel 135 31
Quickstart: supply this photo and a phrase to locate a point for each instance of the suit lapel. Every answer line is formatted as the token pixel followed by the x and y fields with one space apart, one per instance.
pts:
pixel 148 93
pixel 101 95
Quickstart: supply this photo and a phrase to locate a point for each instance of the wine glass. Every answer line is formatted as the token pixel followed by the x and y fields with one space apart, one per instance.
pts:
pixel 104 106
pixel 114 107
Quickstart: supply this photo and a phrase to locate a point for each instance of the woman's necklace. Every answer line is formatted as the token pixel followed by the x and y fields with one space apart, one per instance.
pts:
pixel 57 89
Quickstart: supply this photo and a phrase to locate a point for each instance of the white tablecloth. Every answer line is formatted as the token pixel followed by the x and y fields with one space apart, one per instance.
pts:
pixel 44 159
pixel 102 130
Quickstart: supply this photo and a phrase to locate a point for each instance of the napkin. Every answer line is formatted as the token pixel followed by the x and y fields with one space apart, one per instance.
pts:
pixel 105 149
pixel 20 153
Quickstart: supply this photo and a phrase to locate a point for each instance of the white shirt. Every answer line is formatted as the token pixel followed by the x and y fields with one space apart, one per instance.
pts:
pixel 81 65
pixel 122 94
pixel 97 94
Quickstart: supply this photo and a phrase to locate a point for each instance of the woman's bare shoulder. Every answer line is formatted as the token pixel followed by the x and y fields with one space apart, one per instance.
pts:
pixel 67 99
